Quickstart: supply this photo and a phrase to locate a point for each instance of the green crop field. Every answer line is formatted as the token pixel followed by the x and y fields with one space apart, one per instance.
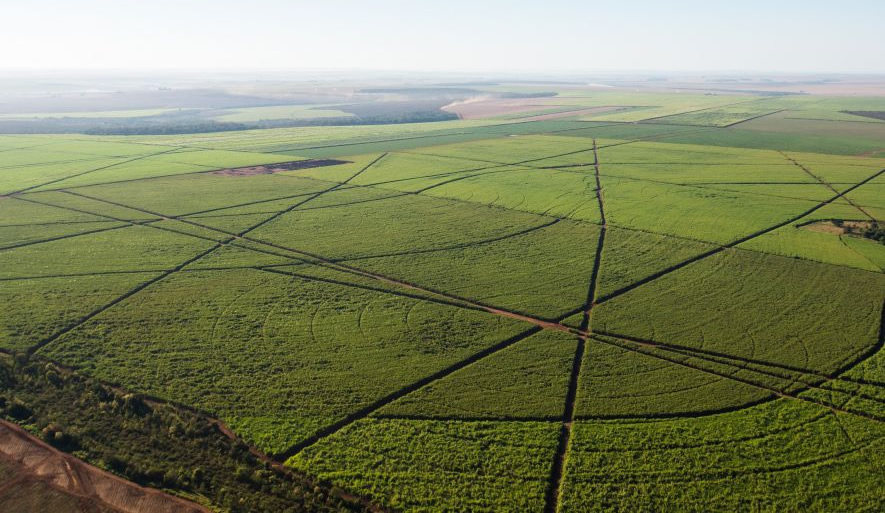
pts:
pixel 672 305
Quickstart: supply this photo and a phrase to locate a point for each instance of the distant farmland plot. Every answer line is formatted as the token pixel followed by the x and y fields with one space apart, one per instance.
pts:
pixel 283 112
pixel 644 310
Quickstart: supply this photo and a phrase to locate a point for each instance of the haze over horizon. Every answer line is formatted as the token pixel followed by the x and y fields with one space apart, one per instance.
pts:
pixel 493 36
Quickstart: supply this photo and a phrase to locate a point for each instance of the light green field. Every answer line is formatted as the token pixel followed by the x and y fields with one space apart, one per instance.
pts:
pixel 481 315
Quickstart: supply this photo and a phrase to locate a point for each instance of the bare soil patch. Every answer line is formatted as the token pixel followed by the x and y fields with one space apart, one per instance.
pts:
pixel 279 167
pixel 487 107
pixel 48 475
pixel 836 227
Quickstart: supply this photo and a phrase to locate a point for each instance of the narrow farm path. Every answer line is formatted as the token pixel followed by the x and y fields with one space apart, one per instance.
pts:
pixel 557 473
pixel 218 244
pixel 734 243
pixel 140 157
pixel 826 184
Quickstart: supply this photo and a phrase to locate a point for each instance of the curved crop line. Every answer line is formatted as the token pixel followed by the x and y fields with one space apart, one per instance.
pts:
pixel 739 363
pixel 267 319
pixel 774 391
pixel 62 237
pixel 223 313
pixel 463 245
pixel 819 416
pixel 736 242
pixel 672 477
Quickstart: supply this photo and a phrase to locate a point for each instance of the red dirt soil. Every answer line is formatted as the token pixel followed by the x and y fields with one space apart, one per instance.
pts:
pixel 48 480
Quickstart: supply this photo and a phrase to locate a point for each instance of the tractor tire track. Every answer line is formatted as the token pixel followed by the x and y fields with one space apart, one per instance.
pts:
pixel 340 266
pixel 26 189
pixel 739 364
pixel 826 184
pixel 734 243
pixel 62 237
pixel 834 376
pixel 463 245
pixel 557 471
pixel 752 118
pixel 775 393
pixel 164 275
pixel 364 412
pixel 82 320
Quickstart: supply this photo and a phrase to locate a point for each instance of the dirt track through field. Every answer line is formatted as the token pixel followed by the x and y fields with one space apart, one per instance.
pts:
pixel 637 348
pixel 230 238
pixel 384 401
pixel 752 118
pixel 734 243
pixel 744 364
pixel 570 415
pixel 62 237
pixel 557 473
pixel 457 299
pixel 413 286
pixel 826 184
pixel 75 175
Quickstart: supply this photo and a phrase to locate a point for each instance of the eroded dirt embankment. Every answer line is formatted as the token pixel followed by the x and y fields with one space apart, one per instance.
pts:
pixel 34 475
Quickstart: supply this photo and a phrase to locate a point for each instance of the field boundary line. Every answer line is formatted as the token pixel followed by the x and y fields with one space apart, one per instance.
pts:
pixel 753 117
pixel 463 245
pixel 744 364
pixel 340 266
pixel 165 274
pixel 62 237
pixel 389 398
pixel 759 233
pixel 827 184
pixel 333 281
pixel 454 418
pixel 629 346
pixel 711 186
pixel 82 320
pixel 75 175
pixel 56 162
pixel 752 100
pixel 678 415
pixel 552 500
pixel 248 203
pixel 82 275
pixel 52 223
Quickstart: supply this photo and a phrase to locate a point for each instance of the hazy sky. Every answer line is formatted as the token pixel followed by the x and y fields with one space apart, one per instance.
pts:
pixel 449 35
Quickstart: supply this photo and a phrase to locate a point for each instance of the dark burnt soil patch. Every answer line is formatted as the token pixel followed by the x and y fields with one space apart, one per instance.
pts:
pixel 279 167
pixel 875 114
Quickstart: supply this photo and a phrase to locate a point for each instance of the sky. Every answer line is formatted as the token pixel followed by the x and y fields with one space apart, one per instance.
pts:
pixel 547 36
